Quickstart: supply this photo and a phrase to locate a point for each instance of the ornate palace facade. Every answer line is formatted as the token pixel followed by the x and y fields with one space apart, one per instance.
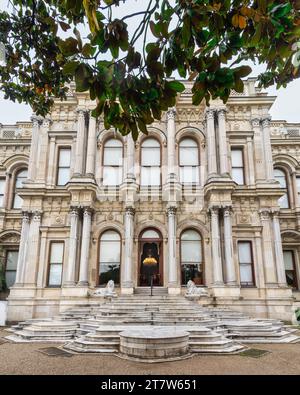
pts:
pixel 210 194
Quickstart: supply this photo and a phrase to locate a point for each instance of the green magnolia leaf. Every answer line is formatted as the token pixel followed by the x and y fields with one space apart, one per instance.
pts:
pixel 82 76
pixel 176 86
pixel 70 67
pixel 243 71
pixel 198 97
pixel 69 46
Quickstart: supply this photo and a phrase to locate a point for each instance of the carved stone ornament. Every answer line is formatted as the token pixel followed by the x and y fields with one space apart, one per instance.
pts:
pixel 107 292
pixel 193 292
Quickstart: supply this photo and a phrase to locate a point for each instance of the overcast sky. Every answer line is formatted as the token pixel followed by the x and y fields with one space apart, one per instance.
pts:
pixel 286 107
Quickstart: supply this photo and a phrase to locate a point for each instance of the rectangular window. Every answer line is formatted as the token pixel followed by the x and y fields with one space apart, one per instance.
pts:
pixel 64 162
pixel 298 189
pixel 290 268
pixel 150 176
pixel 11 267
pixel 237 165
pixel 56 264
pixel 246 263
pixel 2 186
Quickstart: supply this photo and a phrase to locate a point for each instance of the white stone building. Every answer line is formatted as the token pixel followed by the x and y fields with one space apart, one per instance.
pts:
pixel 211 194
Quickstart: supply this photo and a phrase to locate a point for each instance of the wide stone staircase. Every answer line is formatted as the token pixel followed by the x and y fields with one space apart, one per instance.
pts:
pixel 97 327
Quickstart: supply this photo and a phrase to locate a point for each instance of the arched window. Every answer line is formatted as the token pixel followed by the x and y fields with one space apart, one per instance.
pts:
pixel 191 257
pixel 20 177
pixel 109 257
pixel 150 162
pixel 280 176
pixel 113 162
pixel 189 161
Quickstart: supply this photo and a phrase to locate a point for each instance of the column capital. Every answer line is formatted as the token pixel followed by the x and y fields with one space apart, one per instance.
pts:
pixel 266 122
pixel 210 113
pixel 265 214
pixel 255 122
pixel 227 211
pixel 80 112
pixel 221 111
pixel 37 216
pixel 214 210
pixel 130 211
pixel 87 211
pixel 171 114
pixel 171 210
pixel 46 122
pixel 275 213
pixel 26 216
pixel 36 120
pixel 74 211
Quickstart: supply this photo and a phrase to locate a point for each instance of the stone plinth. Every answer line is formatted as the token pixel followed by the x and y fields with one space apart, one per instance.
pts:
pixel 3 305
pixel 154 344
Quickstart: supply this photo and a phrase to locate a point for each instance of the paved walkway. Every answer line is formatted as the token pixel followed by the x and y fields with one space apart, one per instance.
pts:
pixel 26 359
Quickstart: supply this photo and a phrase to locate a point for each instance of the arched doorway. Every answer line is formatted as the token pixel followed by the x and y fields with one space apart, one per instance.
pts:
pixel 150 258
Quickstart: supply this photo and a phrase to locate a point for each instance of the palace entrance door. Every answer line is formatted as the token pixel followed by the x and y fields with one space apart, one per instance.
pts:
pixel 150 258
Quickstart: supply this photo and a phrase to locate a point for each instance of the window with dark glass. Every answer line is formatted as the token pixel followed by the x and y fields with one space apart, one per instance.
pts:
pixel 11 267
pixel 246 263
pixel 298 189
pixel 280 176
pixel 113 162
pixel 237 165
pixel 110 257
pixel 290 268
pixel 56 264
pixel 21 176
pixel 189 161
pixel 2 187
pixel 150 163
pixel 64 164
pixel 191 257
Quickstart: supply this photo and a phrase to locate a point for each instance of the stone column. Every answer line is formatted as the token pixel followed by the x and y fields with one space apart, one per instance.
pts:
pixel 250 154
pixel 91 147
pixel 211 143
pixel 130 173
pixel 79 143
pixel 260 174
pixel 42 163
pixel 222 141
pixel 32 255
pixel 7 190
pixel 173 278
pixel 22 249
pixel 32 166
pixel 278 251
pixel 127 280
pixel 267 149
pixel 230 273
pixel 51 162
pixel 216 247
pixel 69 279
pixel 171 131
pixel 85 247
pixel 269 264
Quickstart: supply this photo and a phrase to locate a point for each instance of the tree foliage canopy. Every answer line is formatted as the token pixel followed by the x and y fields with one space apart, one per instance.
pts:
pixel 207 41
